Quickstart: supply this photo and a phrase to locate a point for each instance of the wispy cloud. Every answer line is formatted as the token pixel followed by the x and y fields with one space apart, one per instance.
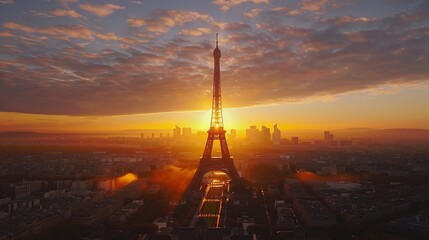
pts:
pixel 57 13
pixel 73 31
pixel 163 20
pixel 253 13
pixel 100 10
pixel 225 5
pixel 6 34
pixel 64 12
pixel 7 1
pixel 195 32
pixel 108 36
pixel 313 5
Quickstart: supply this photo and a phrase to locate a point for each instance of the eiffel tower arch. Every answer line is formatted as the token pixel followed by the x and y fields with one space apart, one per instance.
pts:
pixel 225 162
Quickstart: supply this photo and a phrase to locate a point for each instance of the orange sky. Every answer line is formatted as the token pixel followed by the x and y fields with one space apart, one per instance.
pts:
pixel 397 107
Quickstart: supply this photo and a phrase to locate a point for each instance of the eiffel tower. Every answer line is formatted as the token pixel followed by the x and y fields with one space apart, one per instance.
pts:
pixel 225 162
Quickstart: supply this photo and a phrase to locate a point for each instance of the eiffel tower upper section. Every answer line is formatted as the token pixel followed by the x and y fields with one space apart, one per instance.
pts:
pixel 216 131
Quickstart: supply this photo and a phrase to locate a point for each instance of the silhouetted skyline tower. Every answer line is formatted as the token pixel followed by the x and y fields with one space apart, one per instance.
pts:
pixel 276 136
pixel 329 137
pixel 216 132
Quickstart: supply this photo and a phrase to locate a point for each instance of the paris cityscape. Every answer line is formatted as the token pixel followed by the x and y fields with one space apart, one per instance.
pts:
pixel 223 119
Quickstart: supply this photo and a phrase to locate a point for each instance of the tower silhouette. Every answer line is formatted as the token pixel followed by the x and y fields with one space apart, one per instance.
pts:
pixel 225 162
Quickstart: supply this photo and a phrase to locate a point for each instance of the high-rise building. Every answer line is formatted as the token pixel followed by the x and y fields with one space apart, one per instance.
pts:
pixel 201 135
pixel 106 185
pixel 265 135
pixel 276 136
pixel 294 140
pixel 21 190
pixel 233 135
pixel 329 138
pixel 187 134
pixel 177 133
pixel 253 134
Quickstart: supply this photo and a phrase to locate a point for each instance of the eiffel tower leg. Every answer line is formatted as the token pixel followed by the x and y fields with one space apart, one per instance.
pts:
pixel 224 146
pixel 209 146
pixel 196 180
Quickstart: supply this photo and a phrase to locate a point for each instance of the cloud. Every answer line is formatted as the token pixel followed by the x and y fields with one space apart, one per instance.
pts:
pixel 342 20
pixel 129 40
pixel 57 13
pixel 289 64
pixel 16 26
pixel 225 5
pixel 253 13
pixel 68 1
pixel 322 6
pixel 195 32
pixel 313 5
pixel 6 34
pixel 79 83
pixel 150 24
pixel 140 70
pixel 107 36
pixel 39 13
pixel 73 31
pixel 163 20
pixel 270 13
pixel 237 27
pixel 100 10
pixel 286 10
pixel 64 12
pixel 7 1
pixel 136 22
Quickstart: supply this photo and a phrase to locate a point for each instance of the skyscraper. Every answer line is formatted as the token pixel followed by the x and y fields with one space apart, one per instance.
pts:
pixel 232 135
pixel 294 140
pixel 265 135
pixel 276 136
pixel 186 134
pixel 253 134
pixel 329 138
pixel 177 133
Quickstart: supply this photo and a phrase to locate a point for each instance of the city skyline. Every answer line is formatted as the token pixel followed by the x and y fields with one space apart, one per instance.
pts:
pixel 76 66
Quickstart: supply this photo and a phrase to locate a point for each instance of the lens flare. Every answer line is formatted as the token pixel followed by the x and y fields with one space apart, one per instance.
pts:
pixel 173 180
pixel 309 176
pixel 124 180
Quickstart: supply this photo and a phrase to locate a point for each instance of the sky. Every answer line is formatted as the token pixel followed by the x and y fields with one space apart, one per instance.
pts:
pixel 82 66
